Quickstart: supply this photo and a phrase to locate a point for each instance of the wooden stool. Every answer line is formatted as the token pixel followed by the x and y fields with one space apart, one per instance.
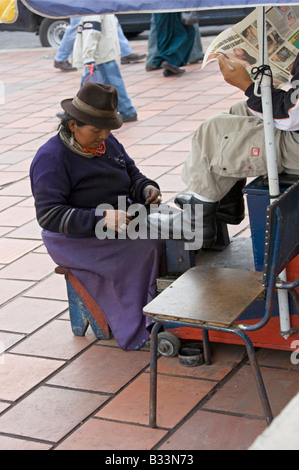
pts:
pixel 83 309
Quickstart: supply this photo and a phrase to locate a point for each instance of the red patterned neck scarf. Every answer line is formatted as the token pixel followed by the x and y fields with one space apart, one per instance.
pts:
pixel 98 151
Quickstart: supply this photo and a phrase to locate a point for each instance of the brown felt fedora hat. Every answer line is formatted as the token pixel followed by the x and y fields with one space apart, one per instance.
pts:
pixel 95 104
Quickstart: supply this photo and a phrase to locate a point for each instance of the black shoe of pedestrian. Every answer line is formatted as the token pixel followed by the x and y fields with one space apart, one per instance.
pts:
pixel 172 68
pixel 64 66
pixel 129 117
pixel 167 73
pixel 132 58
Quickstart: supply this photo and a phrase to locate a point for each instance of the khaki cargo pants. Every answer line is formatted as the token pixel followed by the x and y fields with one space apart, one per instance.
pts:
pixel 231 146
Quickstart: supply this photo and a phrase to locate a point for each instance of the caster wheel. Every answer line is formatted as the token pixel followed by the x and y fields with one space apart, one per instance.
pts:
pixel 168 344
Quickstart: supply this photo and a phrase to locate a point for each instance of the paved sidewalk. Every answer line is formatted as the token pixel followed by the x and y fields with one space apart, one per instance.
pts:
pixel 58 391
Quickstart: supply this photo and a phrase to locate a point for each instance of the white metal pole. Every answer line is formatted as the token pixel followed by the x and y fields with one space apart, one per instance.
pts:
pixel 273 178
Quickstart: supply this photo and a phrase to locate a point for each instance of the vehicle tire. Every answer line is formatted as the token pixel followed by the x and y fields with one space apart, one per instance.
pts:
pixel 168 344
pixel 51 31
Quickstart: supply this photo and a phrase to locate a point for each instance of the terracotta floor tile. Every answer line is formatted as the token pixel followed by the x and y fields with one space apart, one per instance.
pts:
pixel 10 443
pixel 181 146
pixel 19 138
pixel 224 358
pixel 10 288
pixel 276 358
pixel 25 314
pixel 7 201
pixel 171 183
pixel 23 165
pixel 33 266
pixel 28 201
pixel 177 170
pixel 174 393
pixel 54 340
pixel 157 93
pixel 154 172
pixel 6 230
pixel 5 131
pixel 161 106
pixel 140 132
pixel 16 216
pixel 53 287
pixel 143 115
pixel 114 368
pixel 214 431
pixel 187 125
pixel 30 230
pixel 97 434
pixel 5 148
pixel 7 177
pixel 22 374
pixel 144 151
pixel 11 249
pixel 21 188
pixel 160 121
pixel 7 340
pixel 166 158
pixel 49 413
pixel 26 122
pixel 165 138
pixel 3 406
pixel 239 394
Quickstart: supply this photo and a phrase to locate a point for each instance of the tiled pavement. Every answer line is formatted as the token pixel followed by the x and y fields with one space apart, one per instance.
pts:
pixel 58 391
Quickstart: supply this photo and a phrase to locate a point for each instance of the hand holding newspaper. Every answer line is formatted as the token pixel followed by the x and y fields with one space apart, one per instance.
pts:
pixel 239 44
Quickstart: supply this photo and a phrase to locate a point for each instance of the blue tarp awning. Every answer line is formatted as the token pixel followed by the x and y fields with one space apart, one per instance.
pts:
pixel 66 8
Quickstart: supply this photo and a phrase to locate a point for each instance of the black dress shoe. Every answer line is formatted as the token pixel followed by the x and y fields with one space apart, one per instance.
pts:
pixel 182 199
pixel 188 224
pixel 232 208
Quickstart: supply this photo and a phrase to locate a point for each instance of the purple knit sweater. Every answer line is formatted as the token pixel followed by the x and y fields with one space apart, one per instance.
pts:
pixel 68 187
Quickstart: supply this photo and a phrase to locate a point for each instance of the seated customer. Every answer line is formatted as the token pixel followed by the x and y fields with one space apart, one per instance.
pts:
pixel 82 167
pixel 229 147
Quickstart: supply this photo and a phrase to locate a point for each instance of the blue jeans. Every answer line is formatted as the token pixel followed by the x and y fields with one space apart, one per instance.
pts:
pixel 109 74
pixel 66 46
pixel 125 48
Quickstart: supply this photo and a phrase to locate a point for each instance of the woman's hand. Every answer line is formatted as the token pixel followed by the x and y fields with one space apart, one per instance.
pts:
pixel 152 195
pixel 116 220
pixel 234 73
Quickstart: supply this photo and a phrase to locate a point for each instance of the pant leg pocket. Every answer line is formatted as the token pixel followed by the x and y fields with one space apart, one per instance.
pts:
pixel 241 152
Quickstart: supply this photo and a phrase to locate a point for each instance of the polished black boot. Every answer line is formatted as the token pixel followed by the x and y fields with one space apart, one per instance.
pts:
pixel 192 221
pixel 232 208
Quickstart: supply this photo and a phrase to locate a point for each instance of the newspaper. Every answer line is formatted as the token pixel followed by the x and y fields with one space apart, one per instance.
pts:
pixel 240 42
